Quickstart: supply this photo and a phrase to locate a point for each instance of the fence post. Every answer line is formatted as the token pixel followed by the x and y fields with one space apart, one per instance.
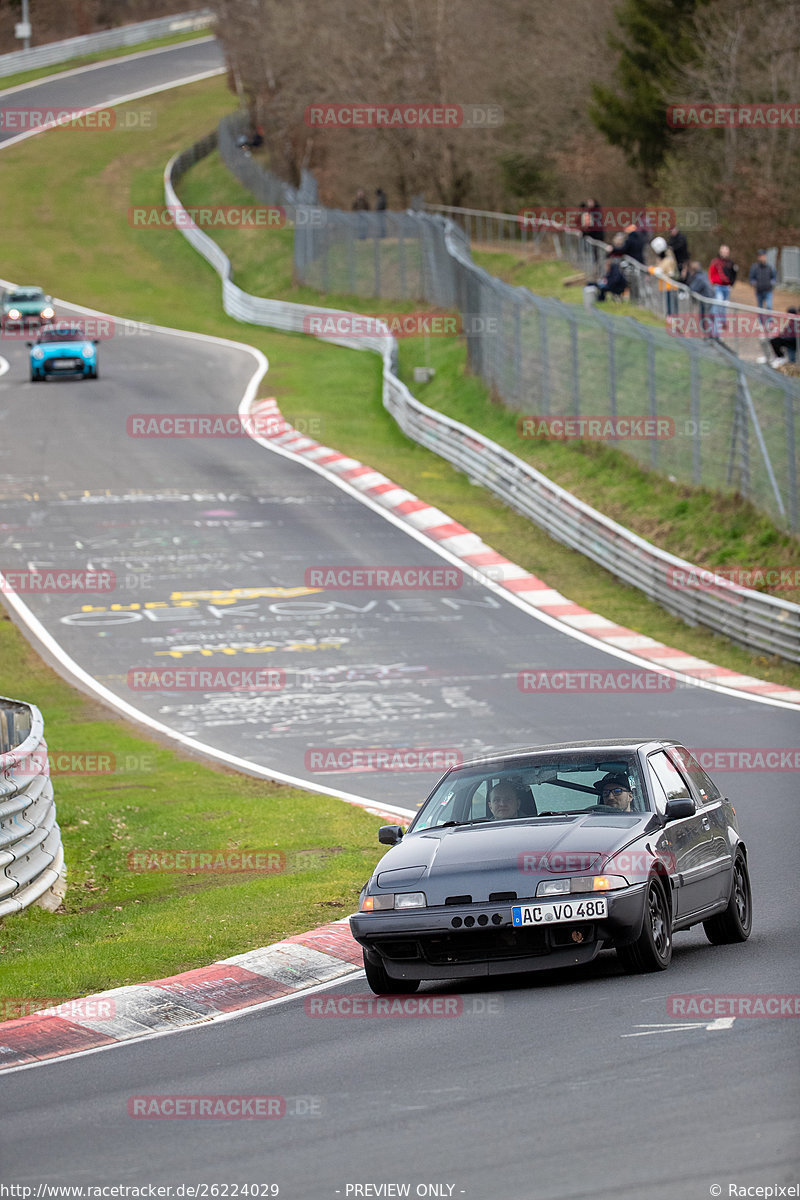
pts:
pixel 792 461
pixel 651 390
pixel 574 373
pixel 694 375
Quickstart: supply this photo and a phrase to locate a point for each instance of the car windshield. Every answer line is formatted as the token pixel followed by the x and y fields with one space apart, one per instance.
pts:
pixel 24 296
pixel 69 334
pixel 550 787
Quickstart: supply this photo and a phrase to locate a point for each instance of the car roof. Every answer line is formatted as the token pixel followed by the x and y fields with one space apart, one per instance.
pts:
pixel 602 744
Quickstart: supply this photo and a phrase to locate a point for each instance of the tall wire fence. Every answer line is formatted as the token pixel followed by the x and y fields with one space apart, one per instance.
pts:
pixel 722 423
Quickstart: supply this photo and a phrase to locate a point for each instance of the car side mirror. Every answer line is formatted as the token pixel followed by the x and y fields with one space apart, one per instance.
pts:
pixel 29 344
pixel 684 806
pixel 390 835
pixel 95 341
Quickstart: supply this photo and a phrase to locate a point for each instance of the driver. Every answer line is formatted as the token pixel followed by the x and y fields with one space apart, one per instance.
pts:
pixel 615 791
pixel 504 801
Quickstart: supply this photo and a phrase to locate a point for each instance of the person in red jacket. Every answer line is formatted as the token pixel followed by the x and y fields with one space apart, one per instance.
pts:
pixel 722 273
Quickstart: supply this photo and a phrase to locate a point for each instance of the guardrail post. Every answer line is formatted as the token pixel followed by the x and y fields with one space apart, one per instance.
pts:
pixel 694 375
pixel 792 461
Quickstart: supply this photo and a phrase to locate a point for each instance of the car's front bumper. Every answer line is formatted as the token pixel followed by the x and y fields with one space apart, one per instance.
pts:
pixel 425 944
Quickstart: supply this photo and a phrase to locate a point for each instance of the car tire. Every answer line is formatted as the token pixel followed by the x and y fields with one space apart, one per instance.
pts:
pixel 35 378
pixel 652 950
pixel 382 984
pixel 735 923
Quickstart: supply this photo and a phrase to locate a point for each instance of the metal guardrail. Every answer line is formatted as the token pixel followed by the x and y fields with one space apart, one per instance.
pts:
pixel 753 619
pixel 107 39
pixel 31 855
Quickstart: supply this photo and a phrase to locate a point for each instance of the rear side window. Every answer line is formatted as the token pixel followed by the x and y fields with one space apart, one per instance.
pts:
pixel 706 788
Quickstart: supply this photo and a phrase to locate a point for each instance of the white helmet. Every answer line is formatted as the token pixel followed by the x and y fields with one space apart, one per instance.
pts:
pixel 658 245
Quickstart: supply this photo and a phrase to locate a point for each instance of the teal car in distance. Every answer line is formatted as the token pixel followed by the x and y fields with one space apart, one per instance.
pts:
pixel 63 349
pixel 24 306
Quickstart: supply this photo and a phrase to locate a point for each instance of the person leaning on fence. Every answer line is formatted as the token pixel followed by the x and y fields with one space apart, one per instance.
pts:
pixel 680 249
pixel 664 270
pixel 763 278
pixel 697 283
pixel 592 219
pixel 786 340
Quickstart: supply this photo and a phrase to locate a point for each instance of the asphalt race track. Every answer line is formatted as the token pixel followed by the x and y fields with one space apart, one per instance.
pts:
pixel 553 1087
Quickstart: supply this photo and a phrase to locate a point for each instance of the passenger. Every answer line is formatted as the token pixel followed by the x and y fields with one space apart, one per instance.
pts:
pixel 615 791
pixel 504 801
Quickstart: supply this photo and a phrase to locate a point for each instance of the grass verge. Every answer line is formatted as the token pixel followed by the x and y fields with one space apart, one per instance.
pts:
pixel 121 925
pixel 85 60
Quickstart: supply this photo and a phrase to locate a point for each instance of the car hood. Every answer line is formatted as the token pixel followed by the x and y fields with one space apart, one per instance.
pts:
pixel 478 861
pixel 50 348
pixel 28 307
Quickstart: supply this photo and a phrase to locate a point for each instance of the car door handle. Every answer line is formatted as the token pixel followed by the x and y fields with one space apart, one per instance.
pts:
pixel 706 823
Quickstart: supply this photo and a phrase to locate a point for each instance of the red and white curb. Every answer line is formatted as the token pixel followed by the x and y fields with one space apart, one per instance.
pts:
pixel 483 560
pixel 181 1001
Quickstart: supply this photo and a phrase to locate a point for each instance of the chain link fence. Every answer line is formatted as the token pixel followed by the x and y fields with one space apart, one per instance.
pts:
pixel 724 424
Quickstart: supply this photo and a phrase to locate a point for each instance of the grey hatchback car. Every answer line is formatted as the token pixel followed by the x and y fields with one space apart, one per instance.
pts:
pixel 541 858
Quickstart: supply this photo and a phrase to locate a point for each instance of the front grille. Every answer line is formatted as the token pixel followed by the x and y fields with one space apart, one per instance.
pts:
pixel 478 946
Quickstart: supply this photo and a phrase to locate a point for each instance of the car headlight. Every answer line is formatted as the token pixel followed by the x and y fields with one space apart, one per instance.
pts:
pixel 37 353
pixel 14 314
pixel 393 900
pixel 87 351
pixel 579 884
pixel 48 313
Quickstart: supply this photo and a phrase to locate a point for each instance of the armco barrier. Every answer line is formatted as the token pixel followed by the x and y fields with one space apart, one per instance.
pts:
pixel 31 856
pixel 108 39
pixel 754 619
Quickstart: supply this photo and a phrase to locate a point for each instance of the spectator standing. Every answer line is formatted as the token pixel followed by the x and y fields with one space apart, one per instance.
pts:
pixel 635 242
pixel 380 208
pixel 722 274
pixel 762 280
pixel 680 249
pixel 360 206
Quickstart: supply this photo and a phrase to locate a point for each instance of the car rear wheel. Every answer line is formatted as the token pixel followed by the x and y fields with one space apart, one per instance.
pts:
pixel 382 984
pixel 735 923
pixel 652 950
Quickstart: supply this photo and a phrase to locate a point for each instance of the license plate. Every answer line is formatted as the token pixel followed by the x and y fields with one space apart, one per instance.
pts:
pixel 566 910
pixel 64 364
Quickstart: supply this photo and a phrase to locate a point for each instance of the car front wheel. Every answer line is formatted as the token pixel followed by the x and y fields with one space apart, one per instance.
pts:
pixel 382 984
pixel 735 923
pixel 652 950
